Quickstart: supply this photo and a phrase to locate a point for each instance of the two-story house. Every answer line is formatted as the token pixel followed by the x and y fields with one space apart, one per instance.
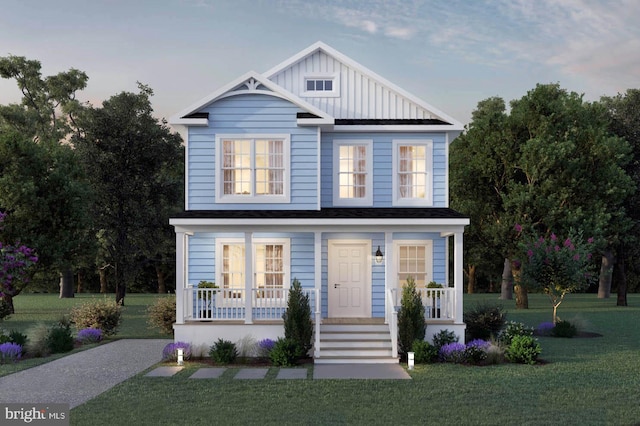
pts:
pixel 322 171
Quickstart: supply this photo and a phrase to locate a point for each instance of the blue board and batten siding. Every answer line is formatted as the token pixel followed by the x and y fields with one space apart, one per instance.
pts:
pixel 382 165
pixel 252 114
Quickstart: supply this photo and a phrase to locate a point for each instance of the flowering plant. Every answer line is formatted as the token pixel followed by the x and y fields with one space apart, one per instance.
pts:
pixel 89 335
pixel 170 351
pixel 15 261
pixel 558 266
pixel 10 351
pixel 453 352
pixel 265 346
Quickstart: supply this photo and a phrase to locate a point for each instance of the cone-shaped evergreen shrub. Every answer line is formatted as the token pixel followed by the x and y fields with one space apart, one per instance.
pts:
pixel 297 319
pixel 411 324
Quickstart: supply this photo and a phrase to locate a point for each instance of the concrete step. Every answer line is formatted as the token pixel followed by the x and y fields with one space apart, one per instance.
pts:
pixel 355 352
pixel 356 360
pixel 334 335
pixel 355 328
pixel 361 344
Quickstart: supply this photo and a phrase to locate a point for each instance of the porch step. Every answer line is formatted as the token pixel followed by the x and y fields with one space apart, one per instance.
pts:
pixel 364 341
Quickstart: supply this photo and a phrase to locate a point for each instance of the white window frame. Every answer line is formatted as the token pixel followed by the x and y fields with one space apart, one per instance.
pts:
pixel 286 260
pixel 334 93
pixel 428 244
pixel 367 200
pixel 221 197
pixel 412 202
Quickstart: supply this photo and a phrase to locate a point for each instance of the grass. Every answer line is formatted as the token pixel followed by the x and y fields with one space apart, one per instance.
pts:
pixel 585 381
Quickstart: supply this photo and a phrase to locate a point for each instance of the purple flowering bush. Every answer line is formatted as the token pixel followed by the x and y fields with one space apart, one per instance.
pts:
pixel 10 352
pixel 170 351
pixel 453 352
pixel 89 335
pixel 265 346
pixel 545 328
pixel 476 351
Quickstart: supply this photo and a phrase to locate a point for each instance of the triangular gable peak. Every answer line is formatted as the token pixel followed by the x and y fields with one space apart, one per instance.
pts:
pixel 250 83
pixel 355 92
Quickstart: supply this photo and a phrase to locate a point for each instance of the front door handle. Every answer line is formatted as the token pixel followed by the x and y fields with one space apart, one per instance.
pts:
pixel 336 285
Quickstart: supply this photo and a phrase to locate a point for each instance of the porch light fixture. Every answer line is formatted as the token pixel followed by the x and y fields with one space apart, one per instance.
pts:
pixel 180 356
pixel 379 256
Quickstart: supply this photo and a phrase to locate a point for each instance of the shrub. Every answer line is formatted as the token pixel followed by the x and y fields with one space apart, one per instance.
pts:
pixel 495 354
pixel 100 313
pixel 484 321
pixel 411 325
pixel 564 329
pixel 424 352
pixel 223 352
pixel 37 340
pixel 297 319
pixel 170 351
pixel 10 352
pixel 545 328
pixel 89 335
pixel 59 339
pixel 453 352
pixel 444 337
pixel 284 353
pixel 17 337
pixel 247 346
pixel 476 351
pixel 513 329
pixel 523 350
pixel 162 314
pixel 265 346
pixel 5 310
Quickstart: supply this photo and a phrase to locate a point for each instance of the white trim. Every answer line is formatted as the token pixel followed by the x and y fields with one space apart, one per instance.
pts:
pixel 252 198
pixel 412 202
pixel 363 128
pixel 334 93
pixel 367 200
pixel 399 224
pixel 320 46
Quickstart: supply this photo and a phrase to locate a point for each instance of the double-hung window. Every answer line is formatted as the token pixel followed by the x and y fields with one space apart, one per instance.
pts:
pixel 253 168
pixel 412 172
pixel 271 265
pixel 415 260
pixel 353 172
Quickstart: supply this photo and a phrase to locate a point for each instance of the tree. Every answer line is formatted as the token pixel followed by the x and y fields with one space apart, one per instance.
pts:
pixel 43 189
pixel 558 266
pixel 298 326
pixel 134 165
pixel 46 115
pixel 411 324
pixel 624 114
pixel 551 163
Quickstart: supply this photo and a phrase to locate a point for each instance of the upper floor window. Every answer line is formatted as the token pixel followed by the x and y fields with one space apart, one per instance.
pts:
pixel 413 172
pixel 253 168
pixel 353 173
pixel 321 86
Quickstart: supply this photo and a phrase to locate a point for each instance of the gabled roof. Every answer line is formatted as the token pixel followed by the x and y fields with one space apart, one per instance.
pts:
pixel 251 82
pixel 319 46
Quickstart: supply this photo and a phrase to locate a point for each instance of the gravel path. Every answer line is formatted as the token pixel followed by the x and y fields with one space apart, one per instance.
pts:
pixel 79 377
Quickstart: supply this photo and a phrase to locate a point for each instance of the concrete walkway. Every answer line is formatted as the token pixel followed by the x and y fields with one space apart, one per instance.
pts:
pixel 79 377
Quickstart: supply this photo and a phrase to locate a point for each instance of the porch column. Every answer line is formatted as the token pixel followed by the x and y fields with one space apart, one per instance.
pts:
pixel 181 271
pixel 248 277
pixel 317 272
pixel 388 270
pixel 458 268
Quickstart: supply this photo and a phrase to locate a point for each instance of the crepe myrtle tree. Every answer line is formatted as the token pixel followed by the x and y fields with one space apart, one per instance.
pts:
pixel 557 266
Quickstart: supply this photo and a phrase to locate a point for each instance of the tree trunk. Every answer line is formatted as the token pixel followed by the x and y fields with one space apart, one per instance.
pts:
pixel 8 298
pixel 506 291
pixel 471 283
pixel 66 284
pixel 120 285
pixel 162 288
pixel 606 272
pixel 79 286
pixel 522 297
pixel 621 279
pixel 103 279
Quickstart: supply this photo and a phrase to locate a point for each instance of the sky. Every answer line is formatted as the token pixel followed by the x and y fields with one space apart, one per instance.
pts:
pixel 450 53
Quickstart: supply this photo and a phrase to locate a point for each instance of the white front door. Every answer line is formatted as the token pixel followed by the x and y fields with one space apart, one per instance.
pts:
pixel 349 278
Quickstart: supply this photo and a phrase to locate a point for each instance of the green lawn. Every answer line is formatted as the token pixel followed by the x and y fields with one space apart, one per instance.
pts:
pixel 585 381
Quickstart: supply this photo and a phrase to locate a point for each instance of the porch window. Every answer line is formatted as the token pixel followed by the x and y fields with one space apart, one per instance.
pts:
pixel 253 168
pixel 412 171
pixel 270 272
pixel 353 171
pixel 232 273
pixel 414 260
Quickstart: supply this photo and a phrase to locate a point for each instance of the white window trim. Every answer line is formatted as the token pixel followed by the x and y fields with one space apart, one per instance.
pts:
pixel 286 260
pixel 428 257
pixel 412 202
pixel 321 93
pixel 367 201
pixel 220 197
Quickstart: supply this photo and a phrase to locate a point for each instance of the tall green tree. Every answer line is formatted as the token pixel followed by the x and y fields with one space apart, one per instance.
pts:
pixel 550 163
pixel 624 114
pixel 134 164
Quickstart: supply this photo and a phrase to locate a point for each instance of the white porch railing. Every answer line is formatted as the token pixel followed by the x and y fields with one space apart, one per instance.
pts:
pixel 222 304
pixel 439 303
pixel 392 320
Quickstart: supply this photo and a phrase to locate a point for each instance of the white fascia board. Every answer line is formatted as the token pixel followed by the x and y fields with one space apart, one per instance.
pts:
pixel 366 71
pixel 397 128
pixel 179 117
pixel 189 121
pixel 317 223
pixel 315 121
